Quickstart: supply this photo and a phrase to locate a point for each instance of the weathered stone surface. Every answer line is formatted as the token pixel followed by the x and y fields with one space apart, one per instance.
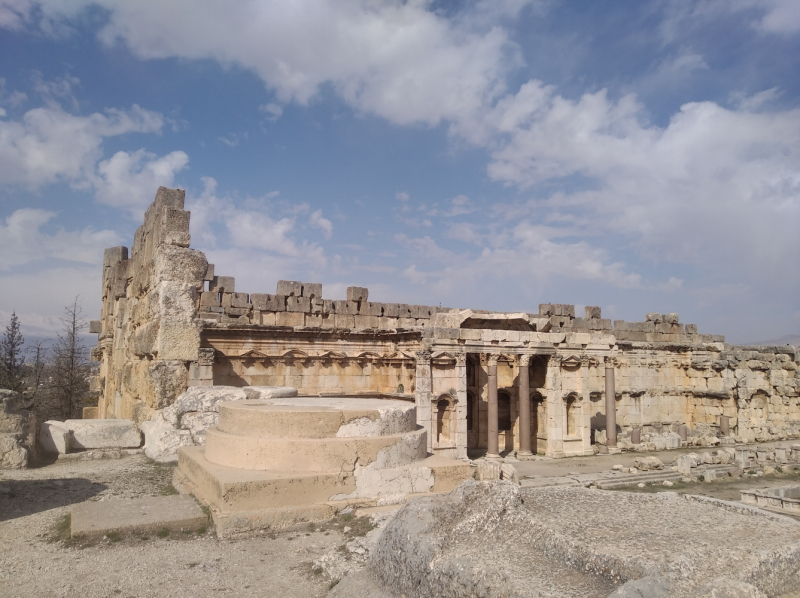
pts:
pixel 96 519
pixel 357 294
pixel 55 437
pixel 446 545
pixel 18 431
pixel 648 463
pixel 103 433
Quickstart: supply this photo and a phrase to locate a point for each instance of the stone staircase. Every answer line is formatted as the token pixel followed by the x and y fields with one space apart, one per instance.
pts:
pixel 273 463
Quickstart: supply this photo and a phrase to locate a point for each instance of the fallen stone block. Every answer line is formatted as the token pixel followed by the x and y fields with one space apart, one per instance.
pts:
pixel 648 463
pixel 103 433
pixel 55 437
pixel 152 514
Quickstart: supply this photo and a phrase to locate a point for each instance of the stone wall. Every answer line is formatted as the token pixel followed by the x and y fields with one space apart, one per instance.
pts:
pixel 148 332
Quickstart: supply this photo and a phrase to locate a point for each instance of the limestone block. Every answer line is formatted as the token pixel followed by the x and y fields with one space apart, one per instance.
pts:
pixel 371 309
pixel 265 302
pixel 55 437
pixel 488 470
pixel 178 338
pixel 13 455
pixel 671 318
pixel 592 311
pixel 390 310
pixel 90 413
pixel 236 312
pixel 95 327
pixel 298 304
pixel 114 255
pixel 357 294
pixel 168 379
pixel 235 300
pixel 654 317
pixel 173 198
pixel 312 290
pixel 209 275
pixel 176 299
pixel 366 321
pixel 222 284
pixel 546 309
pixel 318 306
pixel 344 307
pixel 648 463
pixel 293 319
pixel 649 326
pixel 209 299
pixel 103 433
pixel 290 288
pixel 162 441
pixel 179 264
pixel 313 321
pixel 175 227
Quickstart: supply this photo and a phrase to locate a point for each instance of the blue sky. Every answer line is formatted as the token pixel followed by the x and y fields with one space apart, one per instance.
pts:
pixel 640 156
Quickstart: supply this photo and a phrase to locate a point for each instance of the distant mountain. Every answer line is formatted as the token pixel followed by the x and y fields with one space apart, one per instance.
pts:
pixel 790 339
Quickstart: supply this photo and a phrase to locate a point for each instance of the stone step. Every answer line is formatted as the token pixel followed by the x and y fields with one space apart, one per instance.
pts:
pixel 95 519
pixel 229 490
pixel 322 418
pixel 308 455
pixel 633 479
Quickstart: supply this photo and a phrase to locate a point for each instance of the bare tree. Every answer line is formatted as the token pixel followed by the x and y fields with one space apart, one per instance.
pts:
pixel 12 361
pixel 36 372
pixel 69 375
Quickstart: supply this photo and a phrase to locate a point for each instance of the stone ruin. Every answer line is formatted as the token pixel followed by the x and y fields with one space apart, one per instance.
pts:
pixel 547 382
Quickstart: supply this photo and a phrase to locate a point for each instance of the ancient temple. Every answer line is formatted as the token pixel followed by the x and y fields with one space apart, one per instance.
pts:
pixel 483 382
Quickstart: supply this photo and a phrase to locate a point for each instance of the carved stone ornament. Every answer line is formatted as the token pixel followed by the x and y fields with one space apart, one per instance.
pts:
pixel 611 362
pixel 571 361
pixel 423 357
pixel 461 359
pixel 493 359
pixel 205 356
pixel 524 360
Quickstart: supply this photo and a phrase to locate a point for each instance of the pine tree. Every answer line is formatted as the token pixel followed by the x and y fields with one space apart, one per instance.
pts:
pixel 12 362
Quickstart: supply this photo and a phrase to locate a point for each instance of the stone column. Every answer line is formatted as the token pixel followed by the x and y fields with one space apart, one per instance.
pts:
pixel 611 405
pixel 493 451
pixel 461 406
pixel 423 393
pixel 524 406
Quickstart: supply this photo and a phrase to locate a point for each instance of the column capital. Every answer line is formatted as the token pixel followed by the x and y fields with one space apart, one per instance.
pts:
pixel 586 361
pixel 524 359
pixel 461 359
pixel 205 356
pixel 423 357
pixel 492 359
pixel 611 362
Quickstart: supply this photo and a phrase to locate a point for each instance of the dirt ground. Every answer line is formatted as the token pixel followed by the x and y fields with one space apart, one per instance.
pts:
pixel 37 561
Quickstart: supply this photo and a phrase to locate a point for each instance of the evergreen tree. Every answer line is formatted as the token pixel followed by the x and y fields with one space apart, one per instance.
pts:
pixel 12 362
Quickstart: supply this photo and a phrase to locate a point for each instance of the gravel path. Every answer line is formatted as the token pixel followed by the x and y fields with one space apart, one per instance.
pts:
pixel 33 562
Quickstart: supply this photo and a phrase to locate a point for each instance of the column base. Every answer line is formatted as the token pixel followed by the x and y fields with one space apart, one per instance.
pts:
pixel 614 450
pixel 525 455
pixel 493 457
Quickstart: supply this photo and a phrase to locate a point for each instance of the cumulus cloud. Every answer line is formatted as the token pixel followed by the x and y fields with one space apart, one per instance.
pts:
pixel 22 241
pixel 128 180
pixel 49 145
pixel 316 220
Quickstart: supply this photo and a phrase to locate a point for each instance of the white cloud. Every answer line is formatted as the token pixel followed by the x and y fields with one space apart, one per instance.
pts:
pixel 22 241
pixel 317 221
pixel 49 145
pixel 273 111
pixel 128 180
pixel 402 196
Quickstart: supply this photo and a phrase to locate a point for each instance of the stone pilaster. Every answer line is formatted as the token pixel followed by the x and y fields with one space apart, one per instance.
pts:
pixel 611 404
pixel 523 381
pixel 423 393
pixel 461 406
pixel 492 450
pixel 554 408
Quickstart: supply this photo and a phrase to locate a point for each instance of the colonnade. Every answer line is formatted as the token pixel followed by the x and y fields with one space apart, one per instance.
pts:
pixel 424 398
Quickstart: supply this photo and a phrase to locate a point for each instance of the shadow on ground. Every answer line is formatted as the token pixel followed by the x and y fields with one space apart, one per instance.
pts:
pixel 19 498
